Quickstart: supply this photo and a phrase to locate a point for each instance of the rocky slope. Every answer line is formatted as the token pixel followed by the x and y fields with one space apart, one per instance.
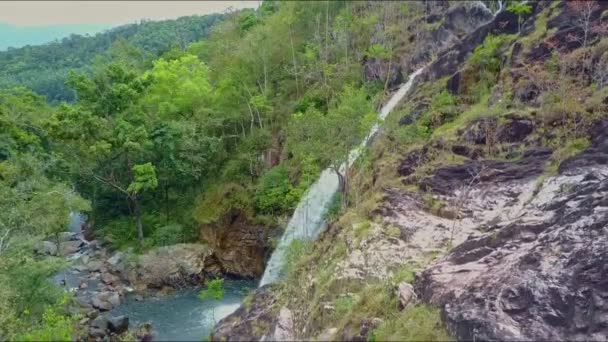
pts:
pixel 502 215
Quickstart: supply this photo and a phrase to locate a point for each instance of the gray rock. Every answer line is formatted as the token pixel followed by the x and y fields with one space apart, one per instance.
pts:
pixel 100 322
pixel 283 330
pixel 69 247
pixel 101 304
pixel 118 324
pixel 45 248
pixel 94 266
pixel 108 278
pixel 116 259
pixel 405 293
pixel 114 299
pixel 97 333
pixel 67 236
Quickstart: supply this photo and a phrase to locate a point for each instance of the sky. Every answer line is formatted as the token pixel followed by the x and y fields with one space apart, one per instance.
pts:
pixel 111 13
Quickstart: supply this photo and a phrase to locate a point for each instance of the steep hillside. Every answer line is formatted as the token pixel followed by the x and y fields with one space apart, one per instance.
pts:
pixel 479 211
pixel 45 68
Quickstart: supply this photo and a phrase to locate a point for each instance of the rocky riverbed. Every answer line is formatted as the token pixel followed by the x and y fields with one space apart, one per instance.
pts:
pixel 121 290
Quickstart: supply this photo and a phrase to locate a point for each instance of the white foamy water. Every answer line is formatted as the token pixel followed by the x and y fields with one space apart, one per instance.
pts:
pixel 308 219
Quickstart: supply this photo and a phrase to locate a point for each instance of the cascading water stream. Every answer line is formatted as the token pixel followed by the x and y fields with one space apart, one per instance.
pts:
pixel 308 219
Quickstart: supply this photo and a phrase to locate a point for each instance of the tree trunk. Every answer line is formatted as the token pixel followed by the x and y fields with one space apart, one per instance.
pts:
pixel 138 221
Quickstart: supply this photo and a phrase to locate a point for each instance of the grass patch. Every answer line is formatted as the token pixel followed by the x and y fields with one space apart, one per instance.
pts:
pixel 418 323
pixel 571 148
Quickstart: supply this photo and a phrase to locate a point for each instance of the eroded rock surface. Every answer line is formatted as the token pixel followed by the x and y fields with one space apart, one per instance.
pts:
pixel 538 269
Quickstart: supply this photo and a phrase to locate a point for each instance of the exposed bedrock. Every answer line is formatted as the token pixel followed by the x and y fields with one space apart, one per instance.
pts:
pixel 538 269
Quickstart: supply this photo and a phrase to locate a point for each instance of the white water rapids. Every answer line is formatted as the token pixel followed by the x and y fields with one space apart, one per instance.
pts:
pixel 308 219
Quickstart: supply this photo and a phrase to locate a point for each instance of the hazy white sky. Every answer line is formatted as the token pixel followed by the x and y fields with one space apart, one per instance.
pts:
pixel 37 13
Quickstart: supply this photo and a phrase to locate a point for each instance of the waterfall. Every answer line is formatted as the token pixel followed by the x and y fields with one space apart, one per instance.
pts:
pixel 308 219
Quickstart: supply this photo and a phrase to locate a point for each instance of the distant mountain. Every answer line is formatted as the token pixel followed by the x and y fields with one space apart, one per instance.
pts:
pixel 15 37
pixel 44 68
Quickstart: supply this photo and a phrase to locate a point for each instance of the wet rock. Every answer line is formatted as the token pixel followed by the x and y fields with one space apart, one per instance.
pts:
pixel 97 333
pixel 405 293
pixel 45 248
pixel 118 324
pixel 67 236
pixel 251 322
pixel 114 299
pixel 100 322
pixel 100 302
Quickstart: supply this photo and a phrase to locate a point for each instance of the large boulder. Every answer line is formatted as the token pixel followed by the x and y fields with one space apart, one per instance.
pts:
pixel 175 266
pixel 118 324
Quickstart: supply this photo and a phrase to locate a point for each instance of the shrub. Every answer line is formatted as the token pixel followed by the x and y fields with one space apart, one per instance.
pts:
pixel 221 200
pixel 274 192
pixel 169 234
pixel 486 57
pixel 418 323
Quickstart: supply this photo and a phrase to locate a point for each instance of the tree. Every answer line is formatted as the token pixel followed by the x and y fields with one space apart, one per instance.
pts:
pixel 214 291
pixel 144 179
pixel 329 138
pixel 520 9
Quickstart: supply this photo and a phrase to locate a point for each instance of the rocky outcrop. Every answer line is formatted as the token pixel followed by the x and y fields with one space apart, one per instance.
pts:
pixel 537 271
pixel 176 266
pixel 240 248
pixel 450 27
pixel 250 322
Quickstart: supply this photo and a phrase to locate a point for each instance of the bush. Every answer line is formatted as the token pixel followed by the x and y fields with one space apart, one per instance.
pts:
pixel 221 200
pixel 487 57
pixel 274 192
pixel 169 234
pixel 419 323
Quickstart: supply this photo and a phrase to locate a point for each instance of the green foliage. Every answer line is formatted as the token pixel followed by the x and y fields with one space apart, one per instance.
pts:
pixel 274 192
pixel 214 290
pixel 223 199
pixel 56 326
pixel 486 57
pixel 45 68
pixel 418 323
pixel 144 178
pixel 520 9
pixel 169 234
pixel 567 150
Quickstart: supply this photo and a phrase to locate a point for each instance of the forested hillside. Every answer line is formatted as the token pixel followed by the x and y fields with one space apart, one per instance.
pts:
pixel 45 68
pixel 188 146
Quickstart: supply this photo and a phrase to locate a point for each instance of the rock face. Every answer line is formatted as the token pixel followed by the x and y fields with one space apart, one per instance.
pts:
pixel 539 270
pixel 251 321
pixel 45 248
pixel 240 248
pixel 175 266
pixel 455 23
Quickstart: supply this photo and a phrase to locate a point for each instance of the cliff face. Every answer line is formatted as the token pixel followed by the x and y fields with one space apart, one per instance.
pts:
pixel 485 203
pixel 537 272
